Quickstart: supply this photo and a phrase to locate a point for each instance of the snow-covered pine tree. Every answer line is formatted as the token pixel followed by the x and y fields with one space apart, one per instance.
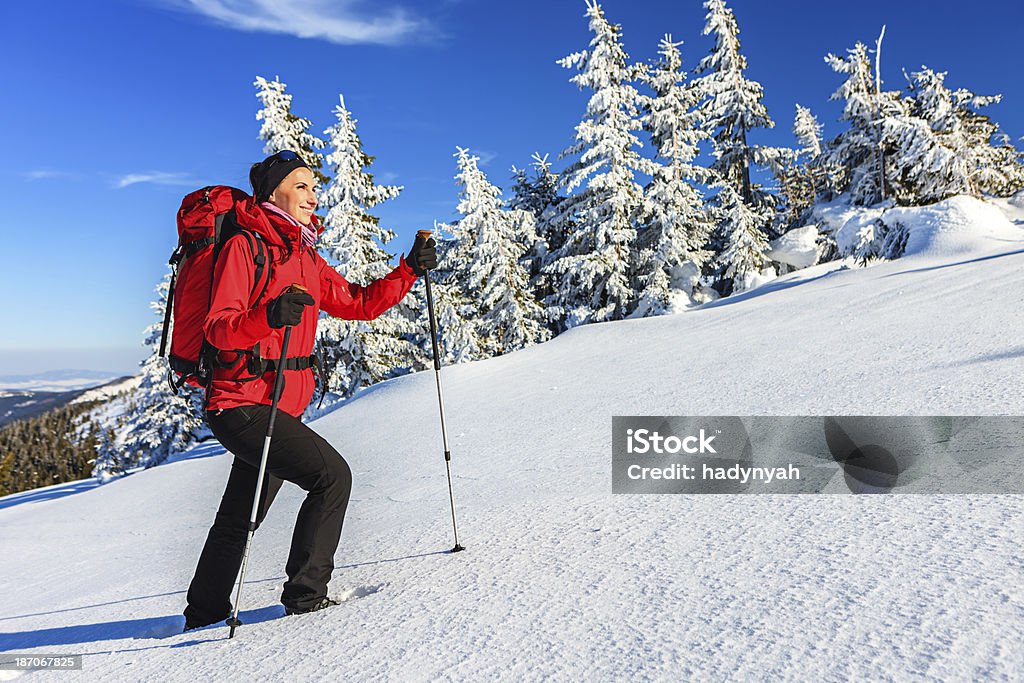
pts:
pixel 458 323
pixel 808 133
pixel 358 353
pixel 732 106
pixel 879 126
pixel 158 423
pixel 591 272
pixel 855 150
pixel 538 194
pixel 800 172
pixel 673 238
pixel 745 245
pixel 958 150
pixel 491 245
pixel 281 129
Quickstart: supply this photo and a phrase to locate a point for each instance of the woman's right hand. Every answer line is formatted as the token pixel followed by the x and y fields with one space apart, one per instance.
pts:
pixel 286 310
pixel 423 254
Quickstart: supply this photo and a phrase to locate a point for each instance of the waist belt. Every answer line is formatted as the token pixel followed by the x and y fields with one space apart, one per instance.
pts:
pixel 259 365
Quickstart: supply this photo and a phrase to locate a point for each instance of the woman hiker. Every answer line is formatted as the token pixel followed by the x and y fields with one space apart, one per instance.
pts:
pixel 239 397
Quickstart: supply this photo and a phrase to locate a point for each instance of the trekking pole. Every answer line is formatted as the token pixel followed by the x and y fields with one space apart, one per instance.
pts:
pixel 440 399
pixel 278 384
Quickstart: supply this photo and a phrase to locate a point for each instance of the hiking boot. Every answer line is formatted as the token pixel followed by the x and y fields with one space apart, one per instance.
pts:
pixel 324 603
pixel 192 625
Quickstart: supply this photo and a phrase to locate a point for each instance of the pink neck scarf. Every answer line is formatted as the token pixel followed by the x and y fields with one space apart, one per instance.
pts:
pixel 308 231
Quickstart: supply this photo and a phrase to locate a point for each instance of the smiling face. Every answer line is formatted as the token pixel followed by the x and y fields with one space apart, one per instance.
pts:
pixel 296 194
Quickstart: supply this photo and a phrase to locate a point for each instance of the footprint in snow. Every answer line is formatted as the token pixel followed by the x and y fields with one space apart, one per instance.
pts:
pixel 358 592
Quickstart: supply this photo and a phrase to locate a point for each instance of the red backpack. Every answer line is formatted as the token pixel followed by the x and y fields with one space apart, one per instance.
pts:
pixel 206 221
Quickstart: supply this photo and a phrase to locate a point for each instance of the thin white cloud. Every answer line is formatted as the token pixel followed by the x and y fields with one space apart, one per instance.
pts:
pixel 337 21
pixel 155 178
pixel 43 174
pixel 486 157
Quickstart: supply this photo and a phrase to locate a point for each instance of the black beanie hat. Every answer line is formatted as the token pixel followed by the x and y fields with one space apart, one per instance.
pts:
pixel 266 175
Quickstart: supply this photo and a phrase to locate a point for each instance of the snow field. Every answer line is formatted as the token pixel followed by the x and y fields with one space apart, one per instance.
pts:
pixel 561 579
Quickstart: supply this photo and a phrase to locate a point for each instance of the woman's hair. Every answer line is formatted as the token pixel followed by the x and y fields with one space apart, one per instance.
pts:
pixel 266 175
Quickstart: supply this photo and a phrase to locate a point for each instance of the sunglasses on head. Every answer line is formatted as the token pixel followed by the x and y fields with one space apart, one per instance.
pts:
pixel 283 155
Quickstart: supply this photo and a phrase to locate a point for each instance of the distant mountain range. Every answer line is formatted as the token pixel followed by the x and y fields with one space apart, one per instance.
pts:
pixel 56 380
pixel 24 396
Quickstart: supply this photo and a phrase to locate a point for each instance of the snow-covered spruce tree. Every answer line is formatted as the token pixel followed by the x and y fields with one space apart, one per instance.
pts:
pixel 957 150
pixel 491 244
pixel 158 423
pixel 744 242
pixel 590 273
pixel 855 150
pixel 458 323
pixel 732 106
pixel 801 173
pixel 282 129
pixel 677 225
pixel 358 353
pixel 879 127
pixel 538 194
pixel 808 133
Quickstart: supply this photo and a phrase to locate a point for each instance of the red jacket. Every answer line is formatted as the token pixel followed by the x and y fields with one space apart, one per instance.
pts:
pixel 235 324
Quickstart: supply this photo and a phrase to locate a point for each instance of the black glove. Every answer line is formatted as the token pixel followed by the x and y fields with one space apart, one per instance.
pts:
pixel 286 310
pixel 423 255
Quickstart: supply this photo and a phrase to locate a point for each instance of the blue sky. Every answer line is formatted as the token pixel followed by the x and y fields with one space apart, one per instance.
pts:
pixel 116 109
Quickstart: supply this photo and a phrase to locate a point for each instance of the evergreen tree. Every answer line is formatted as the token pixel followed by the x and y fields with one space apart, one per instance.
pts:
pixel 745 244
pixel 590 272
pixel 878 121
pixel 282 129
pixel 538 195
pixel 808 133
pixel 492 244
pixel 677 227
pixel 957 149
pixel 458 322
pixel 732 106
pixel 801 173
pixel 916 149
pixel 358 353
pixel 57 446
pixel 158 423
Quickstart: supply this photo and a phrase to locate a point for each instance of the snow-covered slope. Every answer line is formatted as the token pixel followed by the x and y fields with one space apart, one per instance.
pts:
pixel 560 578
pixel 109 390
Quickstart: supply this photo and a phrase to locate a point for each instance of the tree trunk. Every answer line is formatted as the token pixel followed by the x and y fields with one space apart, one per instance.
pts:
pixel 878 104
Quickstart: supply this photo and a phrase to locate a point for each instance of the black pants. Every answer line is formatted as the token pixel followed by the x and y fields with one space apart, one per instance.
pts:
pixel 299 455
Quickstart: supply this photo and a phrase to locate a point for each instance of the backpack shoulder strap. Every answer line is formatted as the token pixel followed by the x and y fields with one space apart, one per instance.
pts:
pixel 261 257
